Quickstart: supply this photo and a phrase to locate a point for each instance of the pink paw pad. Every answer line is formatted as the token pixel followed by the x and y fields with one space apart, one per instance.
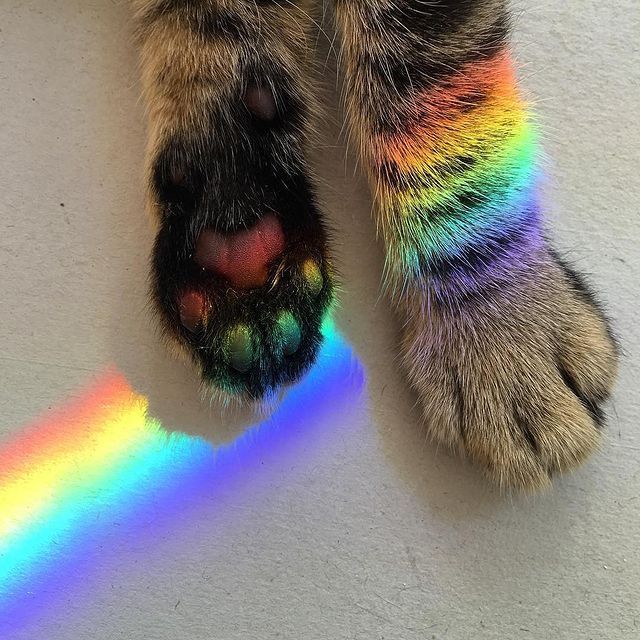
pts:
pixel 243 257
pixel 192 307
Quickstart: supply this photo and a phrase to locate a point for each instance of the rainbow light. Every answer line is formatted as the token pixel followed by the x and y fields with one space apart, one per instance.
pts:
pixel 463 172
pixel 101 473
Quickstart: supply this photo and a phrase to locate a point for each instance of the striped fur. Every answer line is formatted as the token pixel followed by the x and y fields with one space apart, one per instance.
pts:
pixel 506 347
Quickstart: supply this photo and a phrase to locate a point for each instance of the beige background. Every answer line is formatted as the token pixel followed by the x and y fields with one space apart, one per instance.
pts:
pixel 380 537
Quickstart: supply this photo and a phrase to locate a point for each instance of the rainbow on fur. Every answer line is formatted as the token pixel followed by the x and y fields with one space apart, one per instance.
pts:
pixel 460 176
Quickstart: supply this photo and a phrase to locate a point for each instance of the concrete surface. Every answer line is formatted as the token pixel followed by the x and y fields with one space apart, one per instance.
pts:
pixel 369 533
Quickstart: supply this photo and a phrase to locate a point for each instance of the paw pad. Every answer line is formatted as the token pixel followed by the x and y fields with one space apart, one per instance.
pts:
pixel 260 101
pixel 289 330
pixel 192 307
pixel 239 347
pixel 313 276
pixel 242 257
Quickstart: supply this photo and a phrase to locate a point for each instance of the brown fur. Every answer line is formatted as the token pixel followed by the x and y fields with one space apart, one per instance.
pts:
pixel 510 374
pixel 186 75
pixel 492 377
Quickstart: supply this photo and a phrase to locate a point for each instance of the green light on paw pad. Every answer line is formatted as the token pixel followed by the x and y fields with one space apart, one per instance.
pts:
pixel 289 330
pixel 239 347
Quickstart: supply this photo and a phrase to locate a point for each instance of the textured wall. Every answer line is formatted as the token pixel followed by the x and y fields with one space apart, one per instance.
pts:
pixel 365 532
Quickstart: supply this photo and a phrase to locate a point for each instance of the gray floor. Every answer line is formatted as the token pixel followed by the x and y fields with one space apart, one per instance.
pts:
pixel 367 532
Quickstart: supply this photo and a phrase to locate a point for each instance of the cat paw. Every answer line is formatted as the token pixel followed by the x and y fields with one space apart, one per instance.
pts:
pixel 515 379
pixel 241 277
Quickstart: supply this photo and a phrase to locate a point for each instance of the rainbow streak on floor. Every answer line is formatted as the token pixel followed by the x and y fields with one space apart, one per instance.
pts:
pixel 101 467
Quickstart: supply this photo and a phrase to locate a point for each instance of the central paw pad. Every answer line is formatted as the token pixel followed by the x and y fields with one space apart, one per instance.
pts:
pixel 243 257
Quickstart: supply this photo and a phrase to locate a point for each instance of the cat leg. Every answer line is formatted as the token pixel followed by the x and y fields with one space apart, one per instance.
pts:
pixel 507 348
pixel 241 277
